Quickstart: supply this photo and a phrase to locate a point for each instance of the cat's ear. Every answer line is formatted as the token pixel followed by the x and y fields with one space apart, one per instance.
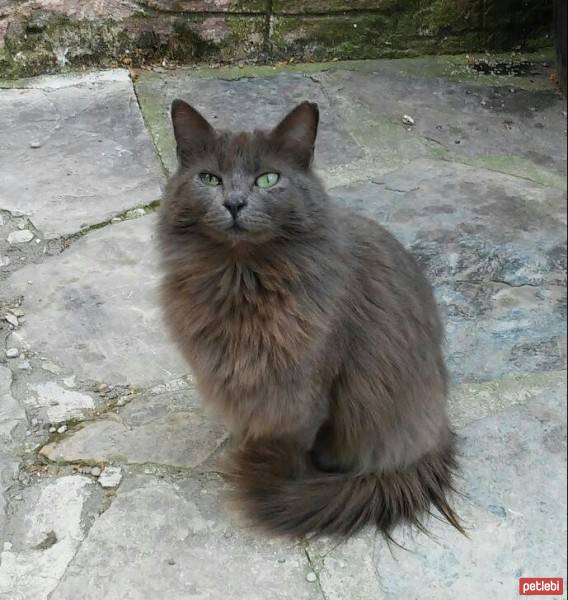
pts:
pixel 296 133
pixel 191 130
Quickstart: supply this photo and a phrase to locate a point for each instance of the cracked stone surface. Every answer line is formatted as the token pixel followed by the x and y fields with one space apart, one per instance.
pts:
pixel 111 471
pixel 184 525
pixel 88 136
pixel 168 429
pixel 93 309
pixel 45 533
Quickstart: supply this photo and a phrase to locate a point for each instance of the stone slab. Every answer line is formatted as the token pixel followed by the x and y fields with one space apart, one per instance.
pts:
pixel 502 127
pixel 75 152
pixel 56 403
pixel 498 125
pixel 44 534
pixel 514 474
pixel 177 541
pixel 93 309
pixel 167 429
pixel 494 247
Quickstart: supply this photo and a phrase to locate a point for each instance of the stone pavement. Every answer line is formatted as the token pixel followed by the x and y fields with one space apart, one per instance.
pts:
pixel 110 482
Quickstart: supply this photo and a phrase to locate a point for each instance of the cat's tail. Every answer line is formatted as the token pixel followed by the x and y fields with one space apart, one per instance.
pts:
pixel 283 494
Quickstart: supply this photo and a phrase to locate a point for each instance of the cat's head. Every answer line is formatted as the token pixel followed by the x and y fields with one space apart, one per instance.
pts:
pixel 235 186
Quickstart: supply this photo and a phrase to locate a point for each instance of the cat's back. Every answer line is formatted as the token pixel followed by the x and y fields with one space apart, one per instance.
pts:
pixel 389 281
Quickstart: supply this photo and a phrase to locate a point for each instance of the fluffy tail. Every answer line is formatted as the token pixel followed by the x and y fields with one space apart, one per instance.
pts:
pixel 283 494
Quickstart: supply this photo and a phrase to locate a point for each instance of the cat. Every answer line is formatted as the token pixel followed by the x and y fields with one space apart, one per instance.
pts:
pixel 312 331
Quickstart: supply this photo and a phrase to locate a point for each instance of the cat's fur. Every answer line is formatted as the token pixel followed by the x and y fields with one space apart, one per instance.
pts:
pixel 311 329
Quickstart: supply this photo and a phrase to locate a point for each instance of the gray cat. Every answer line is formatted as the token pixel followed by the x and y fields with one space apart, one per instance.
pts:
pixel 311 329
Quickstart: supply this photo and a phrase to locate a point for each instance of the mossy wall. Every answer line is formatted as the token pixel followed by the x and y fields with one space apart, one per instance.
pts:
pixel 39 36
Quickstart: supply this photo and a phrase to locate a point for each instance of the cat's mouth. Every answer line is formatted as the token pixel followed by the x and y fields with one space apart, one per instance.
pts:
pixel 235 226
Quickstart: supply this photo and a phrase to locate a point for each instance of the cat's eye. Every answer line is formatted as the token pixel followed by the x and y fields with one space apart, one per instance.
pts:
pixel 210 179
pixel 267 180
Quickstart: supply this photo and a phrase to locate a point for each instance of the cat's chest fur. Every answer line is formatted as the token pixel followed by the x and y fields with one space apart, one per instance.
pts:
pixel 242 322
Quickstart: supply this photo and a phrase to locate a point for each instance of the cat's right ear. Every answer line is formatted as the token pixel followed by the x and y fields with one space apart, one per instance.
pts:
pixel 191 130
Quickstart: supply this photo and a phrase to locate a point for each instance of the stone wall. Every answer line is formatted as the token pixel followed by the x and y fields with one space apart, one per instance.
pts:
pixel 38 36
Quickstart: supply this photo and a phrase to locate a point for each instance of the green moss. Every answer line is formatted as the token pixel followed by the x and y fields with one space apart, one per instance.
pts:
pixel 520 167
pixel 456 68
pixel 291 7
pixel 408 28
pixel 47 42
pixel 452 67
pixel 158 123
pixel 245 39
pixel 186 43
pixel 252 6
pixel 324 38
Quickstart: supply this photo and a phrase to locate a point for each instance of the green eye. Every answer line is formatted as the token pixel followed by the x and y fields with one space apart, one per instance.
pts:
pixel 267 180
pixel 210 179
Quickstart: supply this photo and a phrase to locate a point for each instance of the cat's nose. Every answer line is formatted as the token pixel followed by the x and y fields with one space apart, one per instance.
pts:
pixel 234 203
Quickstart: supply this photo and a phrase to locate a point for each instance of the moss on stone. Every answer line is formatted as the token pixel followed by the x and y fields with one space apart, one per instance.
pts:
pixel 324 38
pixel 291 7
pixel 520 167
pixel 157 121
pixel 246 38
pixel 54 42
pixel 252 6
pixel 48 42
pixel 186 43
pixel 452 67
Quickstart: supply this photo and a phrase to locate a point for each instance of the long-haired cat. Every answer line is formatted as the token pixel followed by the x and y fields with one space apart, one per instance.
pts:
pixel 311 329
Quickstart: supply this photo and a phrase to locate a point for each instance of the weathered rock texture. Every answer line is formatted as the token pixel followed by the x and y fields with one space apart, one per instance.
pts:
pixel 38 36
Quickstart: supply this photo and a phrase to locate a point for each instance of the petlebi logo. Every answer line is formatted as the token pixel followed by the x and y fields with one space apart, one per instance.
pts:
pixel 541 586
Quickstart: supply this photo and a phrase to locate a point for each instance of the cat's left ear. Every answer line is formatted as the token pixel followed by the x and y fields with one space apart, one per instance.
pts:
pixel 296 134
pixel 192 131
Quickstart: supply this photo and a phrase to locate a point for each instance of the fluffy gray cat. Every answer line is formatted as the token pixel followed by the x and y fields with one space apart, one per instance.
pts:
pixel 311 329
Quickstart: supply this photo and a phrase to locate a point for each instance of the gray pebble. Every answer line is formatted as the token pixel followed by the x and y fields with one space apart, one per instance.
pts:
pixel 95 471
pixel 110 477
pixel 35 144
pixel 62 429
pixel 20 237
pixel 12 353
pixel 12 319
pixel 311 577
